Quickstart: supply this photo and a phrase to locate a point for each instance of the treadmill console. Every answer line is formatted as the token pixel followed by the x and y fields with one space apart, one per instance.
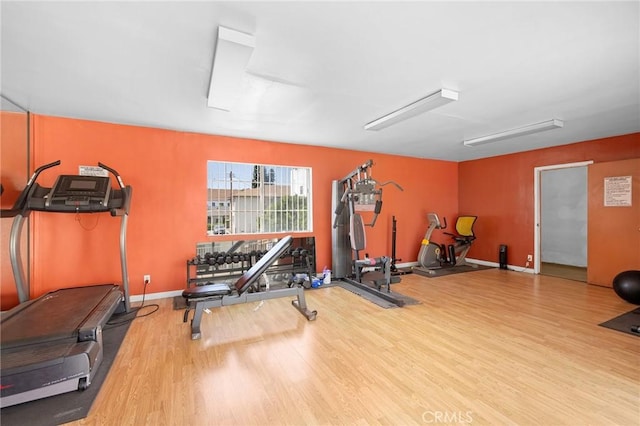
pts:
pixel 80 192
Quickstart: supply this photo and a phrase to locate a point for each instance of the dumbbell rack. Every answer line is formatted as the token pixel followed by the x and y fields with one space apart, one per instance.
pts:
pixel 228 266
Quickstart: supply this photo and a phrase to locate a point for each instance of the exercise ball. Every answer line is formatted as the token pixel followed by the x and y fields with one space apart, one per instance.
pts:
pixel 627 286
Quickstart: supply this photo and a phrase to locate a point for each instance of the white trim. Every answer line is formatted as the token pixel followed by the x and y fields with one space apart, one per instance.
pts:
pixel 171 294
pixel 536 206
pixel 497 265
pixel 478 262
pixel 155 296
pixel 483 262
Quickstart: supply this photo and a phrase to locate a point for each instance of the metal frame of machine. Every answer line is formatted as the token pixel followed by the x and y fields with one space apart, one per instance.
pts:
pixel 359 191
pixel 53 344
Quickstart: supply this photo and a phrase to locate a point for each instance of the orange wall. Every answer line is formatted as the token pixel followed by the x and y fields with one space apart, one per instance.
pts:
pixel 622 224
pixel 13 175
pixel 13 155
pixel 499 190
pixel 167 170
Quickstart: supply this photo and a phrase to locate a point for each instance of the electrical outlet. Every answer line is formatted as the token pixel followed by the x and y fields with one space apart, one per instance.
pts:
pixel 147 279
pixel 529 258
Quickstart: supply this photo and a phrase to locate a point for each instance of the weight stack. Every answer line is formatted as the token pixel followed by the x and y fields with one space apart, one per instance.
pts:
pixel 502 255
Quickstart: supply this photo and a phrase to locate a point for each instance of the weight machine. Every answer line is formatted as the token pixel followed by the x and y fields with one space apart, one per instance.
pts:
pixel 394 259
pixel 359 192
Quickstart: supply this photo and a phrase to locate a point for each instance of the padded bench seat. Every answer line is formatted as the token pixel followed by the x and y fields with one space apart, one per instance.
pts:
pixel 206 291
pixel 201 298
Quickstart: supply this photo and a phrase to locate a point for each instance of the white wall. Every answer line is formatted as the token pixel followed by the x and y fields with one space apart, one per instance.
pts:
pixel 563 212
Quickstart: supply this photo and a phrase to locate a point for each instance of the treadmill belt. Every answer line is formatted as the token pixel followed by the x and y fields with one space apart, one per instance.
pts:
pixel 55 316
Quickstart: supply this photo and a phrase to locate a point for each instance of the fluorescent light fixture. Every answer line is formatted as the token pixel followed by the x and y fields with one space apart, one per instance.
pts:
pixel 434 100
pixel 233 50
pixel 520 131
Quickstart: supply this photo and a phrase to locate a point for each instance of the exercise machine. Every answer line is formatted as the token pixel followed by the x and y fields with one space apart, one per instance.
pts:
pixel 394 259
pixel 359 192
pixel 462 240
pixel 433 256
pixel 246 289
pixel 53 344
pixel 228 260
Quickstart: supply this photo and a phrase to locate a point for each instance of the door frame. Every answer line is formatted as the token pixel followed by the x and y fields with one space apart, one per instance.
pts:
pixel 537 192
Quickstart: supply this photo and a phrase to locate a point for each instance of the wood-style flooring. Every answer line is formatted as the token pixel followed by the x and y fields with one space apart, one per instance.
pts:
pixel 569 272
pixel 490 347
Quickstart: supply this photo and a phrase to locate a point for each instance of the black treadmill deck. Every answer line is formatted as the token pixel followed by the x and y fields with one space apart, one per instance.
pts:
pixel 56 315
pixel 54 339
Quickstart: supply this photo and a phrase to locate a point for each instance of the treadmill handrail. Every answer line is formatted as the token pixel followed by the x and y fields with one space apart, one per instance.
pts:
pixel 33 198
pixel 19 205
pixel 113 172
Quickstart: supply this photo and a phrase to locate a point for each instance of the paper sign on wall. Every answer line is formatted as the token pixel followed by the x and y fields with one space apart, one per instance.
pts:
pixel 617 191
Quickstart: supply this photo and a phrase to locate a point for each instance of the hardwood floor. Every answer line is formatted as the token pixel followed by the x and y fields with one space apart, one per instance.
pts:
pixel 490 347
pixel 569 272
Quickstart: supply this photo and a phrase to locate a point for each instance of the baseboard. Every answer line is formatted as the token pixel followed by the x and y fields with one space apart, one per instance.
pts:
pixel 478 262
pixel 406 264
pixel 155 296
pixel 172 294
pixel 497 265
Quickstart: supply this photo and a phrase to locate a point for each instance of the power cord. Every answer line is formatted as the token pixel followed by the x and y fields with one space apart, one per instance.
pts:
pixel 526 265
pixel 78 219
pixel 135 311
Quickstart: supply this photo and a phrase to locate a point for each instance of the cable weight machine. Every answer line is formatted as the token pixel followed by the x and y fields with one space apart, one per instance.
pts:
pixel 359 192
pixel 394 259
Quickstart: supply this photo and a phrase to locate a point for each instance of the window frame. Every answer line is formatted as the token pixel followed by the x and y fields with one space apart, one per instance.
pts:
pixel 260 195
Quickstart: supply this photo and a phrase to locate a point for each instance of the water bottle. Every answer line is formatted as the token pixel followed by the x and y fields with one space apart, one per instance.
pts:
pixel 326 273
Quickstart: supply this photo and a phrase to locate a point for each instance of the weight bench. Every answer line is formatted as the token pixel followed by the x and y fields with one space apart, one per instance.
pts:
pixel 222 294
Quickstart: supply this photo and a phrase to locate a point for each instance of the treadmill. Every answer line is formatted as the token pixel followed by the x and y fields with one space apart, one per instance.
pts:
pixel 53 344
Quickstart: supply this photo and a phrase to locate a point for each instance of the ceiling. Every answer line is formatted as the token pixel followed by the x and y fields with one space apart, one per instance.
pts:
pixel 325 69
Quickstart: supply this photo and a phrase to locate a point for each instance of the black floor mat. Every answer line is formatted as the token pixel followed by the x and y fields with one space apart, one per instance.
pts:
pixel 624 322
pixel 69 406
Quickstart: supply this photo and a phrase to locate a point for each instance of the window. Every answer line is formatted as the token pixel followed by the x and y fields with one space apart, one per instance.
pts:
pixel 247 198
